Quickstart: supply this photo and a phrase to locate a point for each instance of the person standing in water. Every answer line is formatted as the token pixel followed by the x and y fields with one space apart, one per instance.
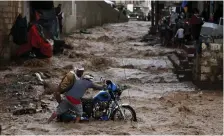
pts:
pixel 60 16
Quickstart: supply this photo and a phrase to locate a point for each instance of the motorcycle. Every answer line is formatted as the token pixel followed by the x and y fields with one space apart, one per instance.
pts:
pixel 105 105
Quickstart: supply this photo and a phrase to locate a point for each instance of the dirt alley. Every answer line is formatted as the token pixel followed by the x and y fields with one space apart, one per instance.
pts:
pixel 162 103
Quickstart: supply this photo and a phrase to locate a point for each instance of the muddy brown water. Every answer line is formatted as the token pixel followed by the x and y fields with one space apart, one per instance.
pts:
pixel 163 104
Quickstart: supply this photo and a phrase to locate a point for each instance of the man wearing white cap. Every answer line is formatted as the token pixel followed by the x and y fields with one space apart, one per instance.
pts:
pixel 74 86
pixel 67 82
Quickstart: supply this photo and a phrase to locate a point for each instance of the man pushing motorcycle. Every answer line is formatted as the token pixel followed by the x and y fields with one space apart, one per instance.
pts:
pixel 73 85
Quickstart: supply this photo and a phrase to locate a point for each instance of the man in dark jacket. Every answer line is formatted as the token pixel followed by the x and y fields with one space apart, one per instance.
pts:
pixel 196 23
pixel 38 42
pixel 59 15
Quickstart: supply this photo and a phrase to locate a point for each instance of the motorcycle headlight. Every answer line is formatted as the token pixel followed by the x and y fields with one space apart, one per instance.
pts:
pixel 128 16
pixel 137 16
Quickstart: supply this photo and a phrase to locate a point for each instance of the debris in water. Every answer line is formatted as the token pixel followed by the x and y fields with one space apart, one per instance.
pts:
pixel 153 128
pixel 170 103
pixel 76 55
pixel 24 111
pixel 65 52
pixel 130 66
pixel 103 38
pixel 147 54
pixel 130 38
pixel 69 67
pixel 98 63
pixel 121 133
pixel 71 55
pixel 84 31
pixel 68 46
pixel 137 45
pixel 44 105
pixel 210 99
pixel 30 87
pixel 161 98
pixel 36 63
pixel 183 109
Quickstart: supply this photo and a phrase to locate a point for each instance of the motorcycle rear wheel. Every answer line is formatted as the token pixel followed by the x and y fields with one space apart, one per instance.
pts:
pixel 124 107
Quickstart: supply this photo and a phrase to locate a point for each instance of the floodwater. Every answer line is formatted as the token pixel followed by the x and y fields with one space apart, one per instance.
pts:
pixel 162 103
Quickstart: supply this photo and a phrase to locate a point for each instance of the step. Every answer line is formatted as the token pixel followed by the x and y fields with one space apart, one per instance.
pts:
pixel 184 77
pixel 190 57
pixel 174 60
pixel 190 49
pixel 184 71
pixel 186 67
pixel 180 54
pixel 186 62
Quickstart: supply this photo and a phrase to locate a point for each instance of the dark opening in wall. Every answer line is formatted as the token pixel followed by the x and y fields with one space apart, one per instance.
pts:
pixel 47 17
pixel 41 5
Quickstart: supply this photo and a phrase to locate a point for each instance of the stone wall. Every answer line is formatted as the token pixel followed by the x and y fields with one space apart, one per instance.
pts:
pixel 209 64
pixel 9 10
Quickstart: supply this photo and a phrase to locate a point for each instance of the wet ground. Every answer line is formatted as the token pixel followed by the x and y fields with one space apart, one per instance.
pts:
pixel 162 103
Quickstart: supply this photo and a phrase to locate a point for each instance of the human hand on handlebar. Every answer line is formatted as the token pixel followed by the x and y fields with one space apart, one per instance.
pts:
pixel 103 80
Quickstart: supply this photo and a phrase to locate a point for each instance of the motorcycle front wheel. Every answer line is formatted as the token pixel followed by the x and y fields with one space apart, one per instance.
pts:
pixel 129 112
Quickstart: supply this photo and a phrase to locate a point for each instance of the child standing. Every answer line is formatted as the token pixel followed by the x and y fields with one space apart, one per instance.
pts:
pixel 180 36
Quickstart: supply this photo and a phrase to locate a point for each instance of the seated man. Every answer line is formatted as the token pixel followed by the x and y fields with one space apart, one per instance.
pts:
pixel 37 43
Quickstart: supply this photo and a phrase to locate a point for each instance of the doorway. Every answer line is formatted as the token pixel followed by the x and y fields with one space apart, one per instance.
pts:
pixel 39 5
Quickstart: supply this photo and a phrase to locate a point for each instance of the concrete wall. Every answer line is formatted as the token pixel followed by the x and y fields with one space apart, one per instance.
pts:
pixel 69 10
pixel 9 10
pixel 93 13
pixel 200 6
pixel 85 14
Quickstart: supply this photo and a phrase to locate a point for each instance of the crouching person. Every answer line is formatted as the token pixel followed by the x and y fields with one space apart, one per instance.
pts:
pixel 37 44
pixel 75 90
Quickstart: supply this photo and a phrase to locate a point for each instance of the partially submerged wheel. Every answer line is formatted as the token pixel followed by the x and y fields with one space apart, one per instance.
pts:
pixel 129 112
